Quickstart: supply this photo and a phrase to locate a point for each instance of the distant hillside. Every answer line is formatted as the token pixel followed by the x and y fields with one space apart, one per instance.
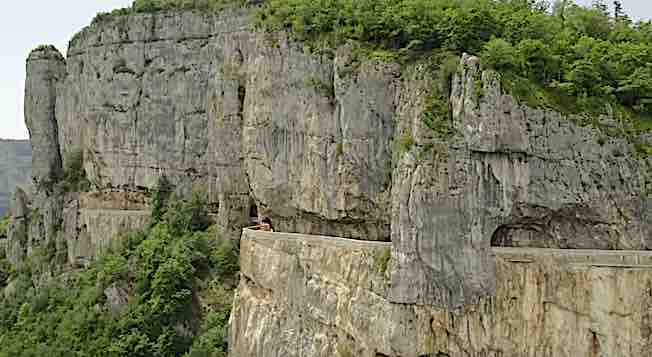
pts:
pixel 15 168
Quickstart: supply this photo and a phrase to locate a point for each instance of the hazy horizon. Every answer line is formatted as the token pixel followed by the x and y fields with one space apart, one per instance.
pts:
pixel 26 24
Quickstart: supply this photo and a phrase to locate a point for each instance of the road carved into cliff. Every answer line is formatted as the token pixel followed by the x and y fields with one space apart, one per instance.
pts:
pixel 593 258
pixel 322 240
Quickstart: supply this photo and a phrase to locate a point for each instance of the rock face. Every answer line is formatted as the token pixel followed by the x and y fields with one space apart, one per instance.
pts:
pixel 252 120
pixel 15 169
pixel 319 296
pixel 45 68
pixel 509 176
pixel 94 222
pixel 17 246
pixel 312 141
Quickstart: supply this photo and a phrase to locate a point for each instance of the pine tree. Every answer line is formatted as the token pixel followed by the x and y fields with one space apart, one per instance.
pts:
pixel 619 12
pixel 601 6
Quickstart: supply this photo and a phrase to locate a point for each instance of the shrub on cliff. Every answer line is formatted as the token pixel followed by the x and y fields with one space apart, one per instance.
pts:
pixel 73 177
pixel 160 198
pixel 4 226
pixel 162 5
pixel 150 6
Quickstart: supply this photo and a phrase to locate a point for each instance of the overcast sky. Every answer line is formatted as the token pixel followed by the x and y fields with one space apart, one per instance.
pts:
pixel 25 24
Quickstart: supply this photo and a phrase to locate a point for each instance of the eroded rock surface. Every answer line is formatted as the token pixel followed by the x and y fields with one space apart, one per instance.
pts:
pixel 510 175
pixel 15 169
pixel 250 118
pixel 46 67
pixel 319 296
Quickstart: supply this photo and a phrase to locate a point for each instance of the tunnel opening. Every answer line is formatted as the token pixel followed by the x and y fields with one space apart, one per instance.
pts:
pixel 501 237
pixel 571 227
pixel 253 213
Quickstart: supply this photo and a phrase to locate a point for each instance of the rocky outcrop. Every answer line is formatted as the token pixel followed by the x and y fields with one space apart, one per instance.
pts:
pixel 73 227
pixel 211 104
pixel 323 296
pixel 509 175
pixel 312 140
pixel 15 169
pixel 45 68
pixel 16 248
pixel 94 223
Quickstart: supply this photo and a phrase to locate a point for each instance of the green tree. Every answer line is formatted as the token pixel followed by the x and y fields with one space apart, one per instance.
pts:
pixel 4 225
pixel 188 216
pixel 636 89
pixel 501 55
pixel 536 60
pixel 160 198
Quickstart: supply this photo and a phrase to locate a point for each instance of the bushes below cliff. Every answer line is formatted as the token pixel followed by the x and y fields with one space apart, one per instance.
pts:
pixel 570 50
pixel 166 292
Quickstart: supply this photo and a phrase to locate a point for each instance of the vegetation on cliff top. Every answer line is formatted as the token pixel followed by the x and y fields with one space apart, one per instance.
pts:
pixel 176 282
pixel 162 5
pixel 4 226
pixel 586 57
pixel 149 6
pixel 572 58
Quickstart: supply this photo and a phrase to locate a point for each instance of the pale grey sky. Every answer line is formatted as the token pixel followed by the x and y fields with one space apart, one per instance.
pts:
pixel 25 24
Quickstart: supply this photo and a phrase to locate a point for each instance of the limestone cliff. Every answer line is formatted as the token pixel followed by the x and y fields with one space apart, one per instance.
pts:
pixel 15 169
pixel 211 104
pixel 333 143
pixel 510 175
pixel 45 68
pixel 323 296
pixel 256 122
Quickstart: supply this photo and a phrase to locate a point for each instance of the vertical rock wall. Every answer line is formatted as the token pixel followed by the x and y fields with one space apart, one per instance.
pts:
pixel 15 169
pixel 249 118
pixel 16 247
pixel 509 175
pixel 320 296
pixel 45 68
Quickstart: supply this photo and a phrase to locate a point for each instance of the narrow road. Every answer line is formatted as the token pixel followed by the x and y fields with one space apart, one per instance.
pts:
pixel 563 257
pixel 325 240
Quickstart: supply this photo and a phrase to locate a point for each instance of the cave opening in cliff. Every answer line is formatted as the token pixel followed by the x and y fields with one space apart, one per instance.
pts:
pixel 501 237
pixel 253 213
